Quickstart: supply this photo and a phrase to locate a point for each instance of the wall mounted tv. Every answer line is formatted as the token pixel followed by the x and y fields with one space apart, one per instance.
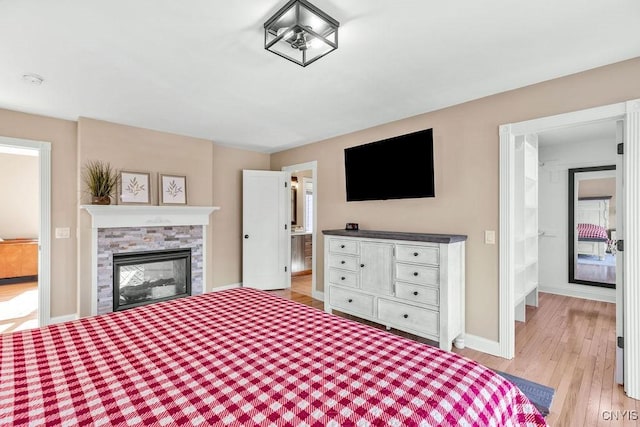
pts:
pixel 394 168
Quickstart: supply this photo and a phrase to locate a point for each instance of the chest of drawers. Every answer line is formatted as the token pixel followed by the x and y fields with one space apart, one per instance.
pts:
pixel 409 281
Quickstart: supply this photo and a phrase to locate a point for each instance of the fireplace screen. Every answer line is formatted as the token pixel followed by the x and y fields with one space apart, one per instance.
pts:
pixel 145 277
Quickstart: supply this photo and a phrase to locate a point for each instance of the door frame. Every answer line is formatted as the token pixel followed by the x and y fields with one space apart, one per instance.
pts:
pixel 313 166
pixel 628 111
pixel 44 233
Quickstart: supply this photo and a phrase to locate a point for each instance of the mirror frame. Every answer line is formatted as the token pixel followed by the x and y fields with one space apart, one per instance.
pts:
pixel 571 231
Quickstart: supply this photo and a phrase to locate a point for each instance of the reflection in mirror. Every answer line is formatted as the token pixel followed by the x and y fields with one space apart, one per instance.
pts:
pixel 592 226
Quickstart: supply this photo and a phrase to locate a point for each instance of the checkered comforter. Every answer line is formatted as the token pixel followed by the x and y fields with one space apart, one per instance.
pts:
pixel 242 357
pixel 592 232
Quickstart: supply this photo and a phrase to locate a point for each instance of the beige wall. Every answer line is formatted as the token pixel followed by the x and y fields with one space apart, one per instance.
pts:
pixel 19 196
pixel 601 187
pixel 226 224
pixel 214 177
pixel 466 150
pixel 64 198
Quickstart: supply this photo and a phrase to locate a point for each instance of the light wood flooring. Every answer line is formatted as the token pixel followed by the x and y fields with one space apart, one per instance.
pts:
pixel 18 306
pixel 301 284
pixel 566 343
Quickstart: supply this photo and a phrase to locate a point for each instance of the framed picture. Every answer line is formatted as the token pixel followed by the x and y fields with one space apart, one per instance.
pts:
pixel 173 189
pixel 134 188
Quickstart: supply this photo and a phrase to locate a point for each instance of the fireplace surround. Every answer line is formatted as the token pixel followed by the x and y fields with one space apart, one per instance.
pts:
pixel 109 230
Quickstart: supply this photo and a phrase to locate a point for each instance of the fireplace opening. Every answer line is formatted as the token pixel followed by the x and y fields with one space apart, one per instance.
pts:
pixel 141 278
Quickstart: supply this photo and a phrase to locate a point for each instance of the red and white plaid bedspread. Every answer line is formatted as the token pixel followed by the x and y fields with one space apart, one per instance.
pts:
pixel 592 232
pixel 242 357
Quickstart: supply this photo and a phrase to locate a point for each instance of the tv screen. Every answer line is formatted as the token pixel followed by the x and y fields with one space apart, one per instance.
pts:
pixel 394 168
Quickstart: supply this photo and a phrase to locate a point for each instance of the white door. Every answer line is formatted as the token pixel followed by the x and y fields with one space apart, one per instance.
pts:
pixel 265 231
pixel 620 220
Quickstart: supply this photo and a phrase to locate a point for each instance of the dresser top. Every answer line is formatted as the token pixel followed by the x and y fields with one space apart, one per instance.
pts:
pixel 398 235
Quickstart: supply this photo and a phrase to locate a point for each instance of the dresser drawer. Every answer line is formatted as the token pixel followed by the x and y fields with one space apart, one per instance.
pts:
pixel 408 316
pixel 344 278
pixel 345 262
pixel 351 302
pixel 416 293
pixel 343 246
pixel 417 274
pixel 419 254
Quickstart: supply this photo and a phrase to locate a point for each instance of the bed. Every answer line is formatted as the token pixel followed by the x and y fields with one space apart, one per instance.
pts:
pixel 242 357
pixel 592 216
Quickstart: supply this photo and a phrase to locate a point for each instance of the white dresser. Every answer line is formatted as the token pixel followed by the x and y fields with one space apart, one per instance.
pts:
pixel 414 282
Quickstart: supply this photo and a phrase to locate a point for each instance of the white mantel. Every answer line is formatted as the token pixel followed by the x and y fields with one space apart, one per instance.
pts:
pixel 113 216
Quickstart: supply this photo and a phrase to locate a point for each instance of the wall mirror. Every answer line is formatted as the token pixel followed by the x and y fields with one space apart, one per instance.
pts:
pixel 592 226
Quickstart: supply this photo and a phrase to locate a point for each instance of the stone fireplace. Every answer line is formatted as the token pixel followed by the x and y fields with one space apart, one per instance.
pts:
pixel 145 254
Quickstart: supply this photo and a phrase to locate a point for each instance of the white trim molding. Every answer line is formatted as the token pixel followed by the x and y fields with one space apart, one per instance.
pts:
pixel 631 254
pixel 574 290
pixel 65 318
pixel 482 344
pixel 317 295
pixel 226 287
pixel 44 238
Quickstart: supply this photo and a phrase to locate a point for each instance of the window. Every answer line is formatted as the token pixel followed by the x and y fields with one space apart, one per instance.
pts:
pixel 307 184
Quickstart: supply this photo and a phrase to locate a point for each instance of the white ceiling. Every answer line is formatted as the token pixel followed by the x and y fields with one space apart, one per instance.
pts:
pixel 198 68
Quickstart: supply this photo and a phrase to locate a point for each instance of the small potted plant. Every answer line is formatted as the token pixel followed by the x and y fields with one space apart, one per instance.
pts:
pixel 100 180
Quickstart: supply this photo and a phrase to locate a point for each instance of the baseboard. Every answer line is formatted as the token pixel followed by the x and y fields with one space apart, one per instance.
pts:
pixel 580 291
pixel 62 319
pixel 226 287
pixel 482 344
pixel 317 295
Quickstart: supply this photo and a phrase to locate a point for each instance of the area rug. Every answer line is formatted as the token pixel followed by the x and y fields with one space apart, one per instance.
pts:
pixel 540 395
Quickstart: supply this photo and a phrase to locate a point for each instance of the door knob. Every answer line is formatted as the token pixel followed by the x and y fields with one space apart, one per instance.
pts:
pixel 246 236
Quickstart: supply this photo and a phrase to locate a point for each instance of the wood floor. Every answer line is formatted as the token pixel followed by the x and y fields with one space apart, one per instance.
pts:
pixel 18 306
pixel 301 284
pixel 566 343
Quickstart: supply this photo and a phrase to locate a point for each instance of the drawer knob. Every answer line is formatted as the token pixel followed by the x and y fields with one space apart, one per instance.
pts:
pixel 349 300
pixel 342 278
pixel 342 262
pixel 416 254
pixel 415 293
pixel 415 273
pixel 341 246
pixel 406 316
pixel 362 265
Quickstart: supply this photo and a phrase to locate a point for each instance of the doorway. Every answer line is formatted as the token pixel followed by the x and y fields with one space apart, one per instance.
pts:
pixel 303 214
pixel 26 241
pixel 627 297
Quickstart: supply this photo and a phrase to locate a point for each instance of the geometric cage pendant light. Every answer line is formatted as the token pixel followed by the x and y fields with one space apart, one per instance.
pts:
pixel 301 33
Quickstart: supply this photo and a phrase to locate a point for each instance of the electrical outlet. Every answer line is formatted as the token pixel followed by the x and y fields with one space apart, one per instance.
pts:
pixel 62 232
pixel 490 237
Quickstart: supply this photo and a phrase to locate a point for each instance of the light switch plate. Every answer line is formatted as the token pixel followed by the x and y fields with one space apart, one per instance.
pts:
pixel 62 232
pixel 490 237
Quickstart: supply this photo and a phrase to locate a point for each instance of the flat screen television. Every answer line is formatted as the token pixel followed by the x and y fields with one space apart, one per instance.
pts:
pixel 394 168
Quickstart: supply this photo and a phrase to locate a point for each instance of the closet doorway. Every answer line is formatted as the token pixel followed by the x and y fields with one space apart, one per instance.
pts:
pixel 627 116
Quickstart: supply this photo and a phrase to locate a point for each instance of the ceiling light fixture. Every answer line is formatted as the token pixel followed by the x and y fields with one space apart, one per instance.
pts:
pixel 301 33
pixel 33 79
